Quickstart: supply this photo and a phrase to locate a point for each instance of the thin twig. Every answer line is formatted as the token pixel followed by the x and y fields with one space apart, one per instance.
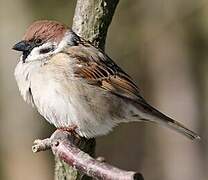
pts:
pixel 63 146
pixel 41 145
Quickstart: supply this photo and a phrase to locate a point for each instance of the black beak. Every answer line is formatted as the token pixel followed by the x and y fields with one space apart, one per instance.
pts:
pixel 22 46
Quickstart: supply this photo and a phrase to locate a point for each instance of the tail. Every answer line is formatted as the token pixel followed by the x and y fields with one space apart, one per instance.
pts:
pixel 180 128
pixel 153 115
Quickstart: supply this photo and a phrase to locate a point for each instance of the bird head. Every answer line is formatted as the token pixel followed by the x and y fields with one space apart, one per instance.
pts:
pixel 43 39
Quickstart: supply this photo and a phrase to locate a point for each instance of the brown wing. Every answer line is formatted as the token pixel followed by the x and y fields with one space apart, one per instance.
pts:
pixel 98 69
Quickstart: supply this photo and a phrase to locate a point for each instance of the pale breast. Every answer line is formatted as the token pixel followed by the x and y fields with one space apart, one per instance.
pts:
pixel 50 92
pixel 65 101
pixel 22 74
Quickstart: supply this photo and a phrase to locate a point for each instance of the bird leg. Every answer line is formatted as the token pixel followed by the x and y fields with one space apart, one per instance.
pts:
pixel 70 129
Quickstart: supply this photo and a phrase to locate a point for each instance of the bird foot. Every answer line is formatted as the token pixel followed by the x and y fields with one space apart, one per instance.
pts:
pixel 71 130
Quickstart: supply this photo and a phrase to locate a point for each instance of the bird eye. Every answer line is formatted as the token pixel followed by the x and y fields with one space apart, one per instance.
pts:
pixel 38 41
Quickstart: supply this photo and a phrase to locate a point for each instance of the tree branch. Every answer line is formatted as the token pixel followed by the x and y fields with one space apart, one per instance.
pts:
pixel 64 146
pixel 92 19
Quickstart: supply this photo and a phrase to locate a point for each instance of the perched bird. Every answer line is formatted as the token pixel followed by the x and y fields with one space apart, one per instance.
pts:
pixel 76 86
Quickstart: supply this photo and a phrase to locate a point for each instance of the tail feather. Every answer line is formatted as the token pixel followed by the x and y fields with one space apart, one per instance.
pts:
pixel 182 129
pixel 151 114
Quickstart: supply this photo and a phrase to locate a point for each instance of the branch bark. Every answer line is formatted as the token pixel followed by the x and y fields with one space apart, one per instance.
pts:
pixel 63 147
pixel 92 19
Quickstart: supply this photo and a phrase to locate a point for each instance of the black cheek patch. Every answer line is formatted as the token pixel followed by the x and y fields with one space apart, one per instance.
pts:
pixel 46 50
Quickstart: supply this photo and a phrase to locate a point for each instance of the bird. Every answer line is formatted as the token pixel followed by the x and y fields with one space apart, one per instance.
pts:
pixel 77 87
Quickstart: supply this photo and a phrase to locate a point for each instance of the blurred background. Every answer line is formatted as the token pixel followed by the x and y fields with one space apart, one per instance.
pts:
pixel 163 45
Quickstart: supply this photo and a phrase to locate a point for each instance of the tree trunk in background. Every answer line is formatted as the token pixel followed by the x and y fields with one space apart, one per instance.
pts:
pixel 91 21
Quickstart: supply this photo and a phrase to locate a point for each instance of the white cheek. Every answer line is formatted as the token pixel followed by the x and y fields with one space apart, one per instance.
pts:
pixel 35 53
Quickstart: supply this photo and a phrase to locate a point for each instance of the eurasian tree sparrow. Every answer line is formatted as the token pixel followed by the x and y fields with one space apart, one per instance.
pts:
pixel 74 84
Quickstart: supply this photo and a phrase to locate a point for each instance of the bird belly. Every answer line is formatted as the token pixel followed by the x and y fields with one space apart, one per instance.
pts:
pixel 66 103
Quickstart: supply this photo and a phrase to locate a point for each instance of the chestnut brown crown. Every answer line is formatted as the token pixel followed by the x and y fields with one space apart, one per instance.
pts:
pixel 46 31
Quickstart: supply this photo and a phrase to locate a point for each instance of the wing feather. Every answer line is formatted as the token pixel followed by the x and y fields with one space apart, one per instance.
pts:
pixel 98 69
